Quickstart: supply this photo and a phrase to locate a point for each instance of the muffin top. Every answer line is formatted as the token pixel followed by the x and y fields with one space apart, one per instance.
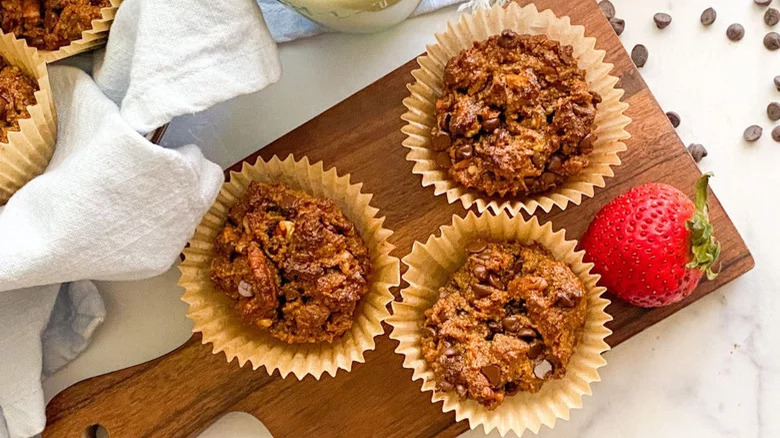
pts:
pixel 49 24
pixel 515 116
pixel 293 264
pixel 507 321
pixel 17 92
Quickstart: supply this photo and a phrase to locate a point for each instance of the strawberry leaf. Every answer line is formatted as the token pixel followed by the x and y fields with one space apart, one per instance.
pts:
pixel 705 249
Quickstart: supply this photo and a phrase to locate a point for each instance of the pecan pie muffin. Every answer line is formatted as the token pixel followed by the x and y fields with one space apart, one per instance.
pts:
pixel 17 92
pixel 515 116
pixel 49 24
pixel 507 321
pixel 293 264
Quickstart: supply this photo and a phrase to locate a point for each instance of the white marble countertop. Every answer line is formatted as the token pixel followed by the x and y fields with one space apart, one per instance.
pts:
pixel 712 370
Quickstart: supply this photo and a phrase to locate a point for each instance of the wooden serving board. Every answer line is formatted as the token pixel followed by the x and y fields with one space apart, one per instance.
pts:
pixel 180 394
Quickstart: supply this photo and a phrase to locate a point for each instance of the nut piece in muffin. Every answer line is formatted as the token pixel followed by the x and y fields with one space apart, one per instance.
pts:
pixel 17 92
pixel 293 264
pixel 507 321
pixel 515 116
pixel 49 24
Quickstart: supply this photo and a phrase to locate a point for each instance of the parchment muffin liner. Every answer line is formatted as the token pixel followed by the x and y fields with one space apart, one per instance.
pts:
pixel 90 38
pixel 430 264
pixel 213 312
pixel 28 151
pixel 609 125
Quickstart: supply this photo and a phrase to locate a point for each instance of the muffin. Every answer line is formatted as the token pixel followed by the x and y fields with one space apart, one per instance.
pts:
pixel 293 264
pixel 50 24
pixel 17 92
pixel 507 321
pixel 290 270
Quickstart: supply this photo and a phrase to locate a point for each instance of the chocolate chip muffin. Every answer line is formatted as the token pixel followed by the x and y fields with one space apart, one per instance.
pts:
pixel 17 92
pixel 293 264
pixel 507 321
pixel 515 116
pixel 49 24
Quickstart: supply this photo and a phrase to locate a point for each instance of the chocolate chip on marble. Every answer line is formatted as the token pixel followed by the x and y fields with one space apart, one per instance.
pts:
pixel 476 246
pixel 776 133
pixel 674 118
pixel 773 111
pixel 618 25
pixel 639 55
pixel 607 8
pixel 762 2
pixel 708 16
pixel 492 373
pixel 697 151
pixel 662 20
pixel 752 133
pixel 443 160
pixel 772 41
pixel 735 32
pixel 542 368
pixel 440 141
pixel 771 16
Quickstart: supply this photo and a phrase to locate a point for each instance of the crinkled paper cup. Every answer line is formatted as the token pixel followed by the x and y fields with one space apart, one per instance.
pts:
pixel 432 263
pixel 219 322
pixel 28 150
pixel 90 38
pixel 609 125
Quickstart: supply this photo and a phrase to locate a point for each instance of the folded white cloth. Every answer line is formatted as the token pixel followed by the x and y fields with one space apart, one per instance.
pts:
pixel 286 25
pixel 111 205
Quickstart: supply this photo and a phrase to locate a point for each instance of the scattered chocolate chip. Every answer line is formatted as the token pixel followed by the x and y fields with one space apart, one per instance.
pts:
pixel 568 299
pixel 536 349
pixel 493 374
pixel 518 266
pixel 776 133
pixel 762 2
pixel 708 16
pixel 773 111
pixel 429 332
pixel 476 246
pixel 440 141
pixel 674 118
pixel 607 8
pixel 662 20
pixel 494 326
pixel 508 39
pixel 735 32
pixel 511 323
pixel 639 55
pixel 511 388
pixel 482 290
pixel 555 163
pixel 490 124
pixel 443 160
pixel 481 272
pixel 495 281
pixel 771 16
pixel 753 133
pixel 446 386
pixel 542 368
pixel 618 25
pixel 697 151
pixel 586 144
pixel 526 332
pixel 450 351
pixel 463 152
pixel 777 82
pixel 772 41
pixel 461 390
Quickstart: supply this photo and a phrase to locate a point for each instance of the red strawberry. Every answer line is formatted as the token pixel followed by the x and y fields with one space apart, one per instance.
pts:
pixel 651 245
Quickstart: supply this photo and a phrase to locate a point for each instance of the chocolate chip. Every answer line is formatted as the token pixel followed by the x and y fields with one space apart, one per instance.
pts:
pixel 762 2
pixel 697 151
pixel 735 32
pixel 772 41
pixel 511 323
pixel 493 374
pixel 463 152
pixel 481 272
pixel 482 290
pixel 708 16
pixel 586 144
pixel 674 118
pixel 776 133
pixel 639 55
pixel 607 8
pixel 526 332
pixel 440 141
pixel 662 20
pixel 461 390
pixel 555 163
pixel 494 326
pixel 771 16
pixel 542 368
pixel 777 82
pixel 517 268
pixel 568 299
pixel 450 351
pixel 536 349
pixel 429 332
pixel 773 111
pixel 752 133
pixel 490 124
pixel 446 386
pixel 508 39
pixel 495 281
pixel 511 388
pixel 618 25
pixel 476 246
pixel 443 160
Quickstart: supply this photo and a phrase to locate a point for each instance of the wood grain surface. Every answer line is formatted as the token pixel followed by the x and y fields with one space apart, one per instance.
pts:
pixel 183 392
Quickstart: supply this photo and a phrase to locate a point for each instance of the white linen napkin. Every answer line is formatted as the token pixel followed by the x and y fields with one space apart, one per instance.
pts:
pixel 111 205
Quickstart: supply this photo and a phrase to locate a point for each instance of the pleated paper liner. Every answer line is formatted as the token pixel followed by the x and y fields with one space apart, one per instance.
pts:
pixel 214 314
pixel 90 38
pixel 610 121
pixel 432 263
pixel 28 151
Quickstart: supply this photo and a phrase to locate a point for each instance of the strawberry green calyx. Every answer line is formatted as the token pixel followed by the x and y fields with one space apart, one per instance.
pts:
pixel 705 249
